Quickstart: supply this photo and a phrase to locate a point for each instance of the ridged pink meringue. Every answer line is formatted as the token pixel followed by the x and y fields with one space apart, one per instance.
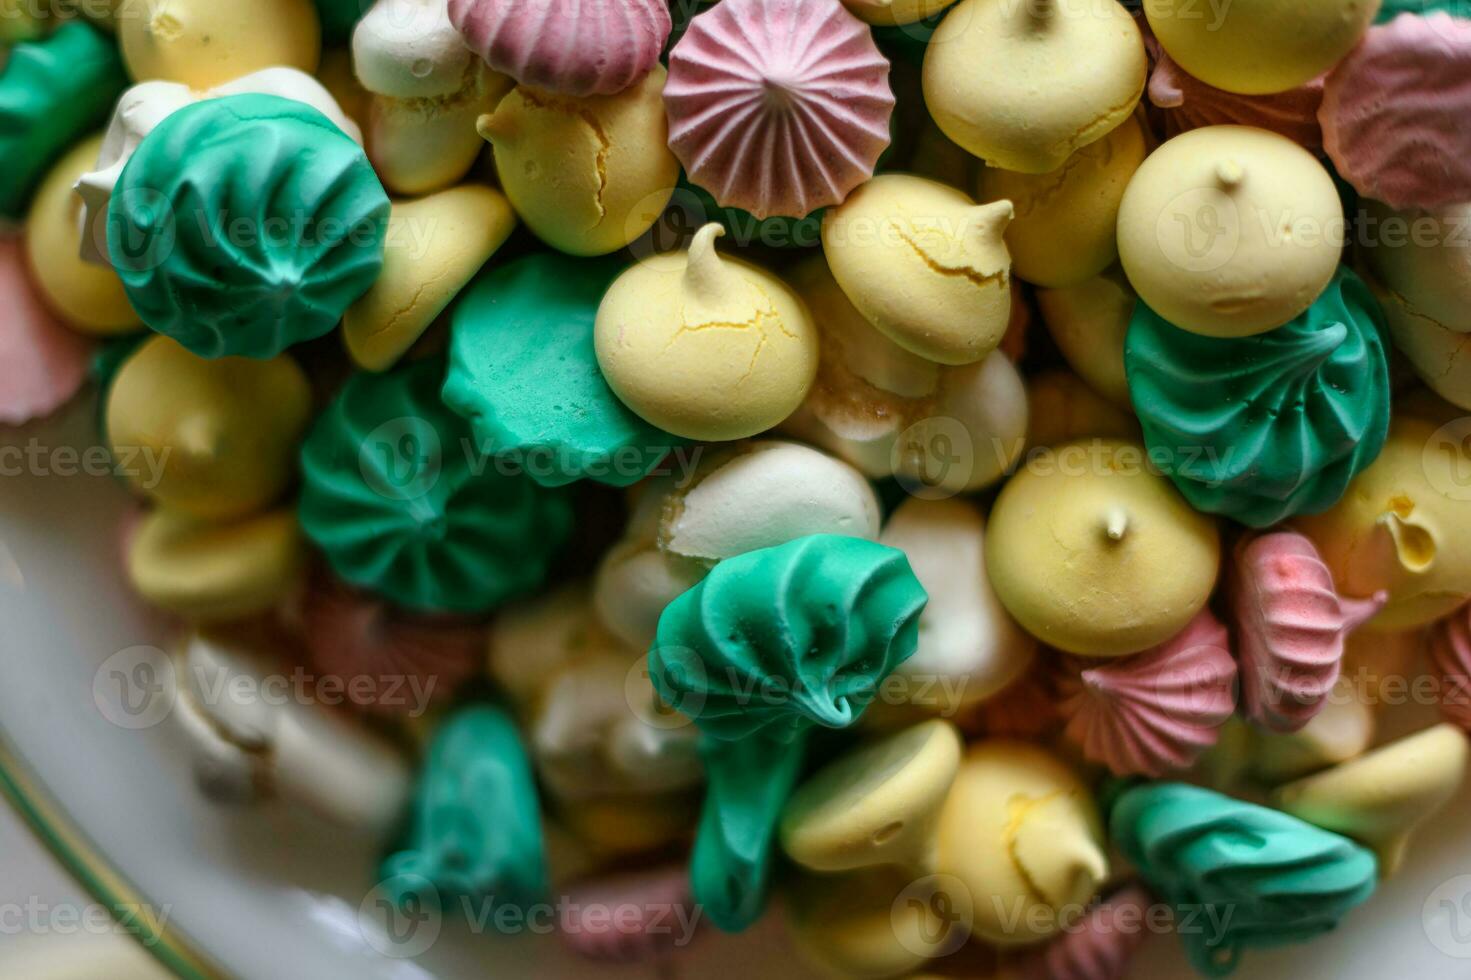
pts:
pixel 1155 712
pixel 403 662
pixel 1100 946
pixel 1290 627
pixel 1186 103
pixel 42 363
pixel 1449 645
pixel 1393 112
pixel 576 47
pixel 779 107
pixel 629 918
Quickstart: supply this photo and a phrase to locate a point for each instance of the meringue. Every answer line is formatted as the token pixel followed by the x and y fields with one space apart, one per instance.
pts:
pixel 740 498
pixel 1291 625
pixel 896 12
pixel 1450 661
pixel 1155 712
pixel 969 647
pixel 864 925
pixel 140 110
pixel 1096 554
pixel 1343 729
pixel 1060 74
pixel 705 346
pixel 465 226
pixel 409 49
pixel 42 363
pixel 1259 47
pixel 422 145
pixel 1065 230
pixel 1380 798
pixel 778 107
pixel 1402 527
pixel 1021 833
pixel 940 430
pixel 924 264
pixel 225 432
pixel 566 46
pixel 1230 231
pixel 204 43
pixel 629 918
pixel 1063 409
pixel 1423 259
pixel 1101 945
pixel 1088 321
pixel 1384 110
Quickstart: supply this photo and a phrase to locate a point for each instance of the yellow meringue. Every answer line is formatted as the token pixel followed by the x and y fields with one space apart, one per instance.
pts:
pixel 427 143
pixel 1096 553
pixel 1022 835
pixel 1380 798
pixel 888 13
pixel 1229 231
pixel 1342 730
pixel 1066 225
pixel 1404 526
pixel 587 175
pixel 705 346
pixel 90 298
pixel 225 432
pixel 1088 321
pixel 878 804
pixel 1023 86
pixel 866 925
pixel 204 43
pixel 924 264
pixel 211 572
pixel 435 246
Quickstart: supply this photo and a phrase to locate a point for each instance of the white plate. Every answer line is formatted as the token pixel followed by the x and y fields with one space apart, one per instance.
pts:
pixel 269 894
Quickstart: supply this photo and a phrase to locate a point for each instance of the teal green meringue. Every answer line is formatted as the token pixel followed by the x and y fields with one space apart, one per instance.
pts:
pixel 246 224
pixel 52 93
pixel 475 824
pixel 777 640
pixel 1264 427
pixel 768 645
pixel 399 501
pixel 524 372
pixel 1245 875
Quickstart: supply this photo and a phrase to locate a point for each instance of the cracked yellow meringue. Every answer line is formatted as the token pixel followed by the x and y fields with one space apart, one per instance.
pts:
pixel 705 346
pixel 924 264
pixel 204 43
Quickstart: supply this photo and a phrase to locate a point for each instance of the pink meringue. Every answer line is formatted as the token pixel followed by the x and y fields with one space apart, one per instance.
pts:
pixel 631 917
pixel 1100 946
pixel 399 663
pixel 42 363
pixel 1188 103
pixel 1290 627
pixel 568 46
pixel 1388 109
pixel 1155 712
pixel 1449 645
pixel 779 107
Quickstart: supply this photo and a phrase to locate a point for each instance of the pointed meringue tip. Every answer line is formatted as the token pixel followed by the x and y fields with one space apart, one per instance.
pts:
pixel 1230 173
pixel 1414 544
pixel 989 221
pixel 704 269
pixel 1116 524
pixel 1357 612
pixel 492 127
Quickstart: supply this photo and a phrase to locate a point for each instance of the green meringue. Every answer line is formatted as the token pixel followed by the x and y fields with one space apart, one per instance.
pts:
pixel 246 224
pixel 1245 875
pixel 339 17
pixel 399 501
pixel 1264 427
pixel 524 372
pixel 777 640
pixel 1390 9
pixel 475 825
pixel 766 646
pixel 52 93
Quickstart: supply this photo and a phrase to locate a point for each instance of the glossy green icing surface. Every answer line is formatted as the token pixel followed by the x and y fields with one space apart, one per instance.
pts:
pixel 1261 428
pixel 246 224
pixel 397 498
